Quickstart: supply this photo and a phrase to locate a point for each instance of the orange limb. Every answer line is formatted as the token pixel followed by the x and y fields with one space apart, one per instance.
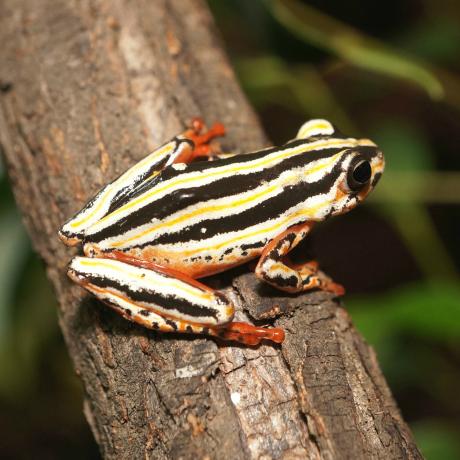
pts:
pixel 311 265
pixel 248 334
pixel 275 268
pixel 309 270
pixel 200 140
pixel 282 245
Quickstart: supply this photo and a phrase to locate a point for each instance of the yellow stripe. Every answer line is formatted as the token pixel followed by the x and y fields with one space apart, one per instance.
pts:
pixel 263 162
pixel 305 213
pixel 163 151
pixel 235 204
pixel 305 132
pixel 173 284
pixel 195 213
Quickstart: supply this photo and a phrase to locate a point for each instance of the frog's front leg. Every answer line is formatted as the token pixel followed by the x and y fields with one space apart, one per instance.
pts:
pixel 164 299
pixel 274 269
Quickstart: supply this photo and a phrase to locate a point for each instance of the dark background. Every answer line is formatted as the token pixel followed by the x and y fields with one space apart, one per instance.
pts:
pixel 385 70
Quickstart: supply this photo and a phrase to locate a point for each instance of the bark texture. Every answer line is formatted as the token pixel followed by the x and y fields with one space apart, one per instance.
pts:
pixel 87 88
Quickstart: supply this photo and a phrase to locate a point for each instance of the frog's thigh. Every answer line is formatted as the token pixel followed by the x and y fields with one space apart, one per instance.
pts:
pixel 136 291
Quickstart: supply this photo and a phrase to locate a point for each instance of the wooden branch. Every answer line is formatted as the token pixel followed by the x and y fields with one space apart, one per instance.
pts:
pixel 87 89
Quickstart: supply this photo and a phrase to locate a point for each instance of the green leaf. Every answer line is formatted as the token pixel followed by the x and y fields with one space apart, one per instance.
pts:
pixel 436 440
pixel 331 35
pixel 436 39
pixel 429 310
pixel 268 79
pixel 405 146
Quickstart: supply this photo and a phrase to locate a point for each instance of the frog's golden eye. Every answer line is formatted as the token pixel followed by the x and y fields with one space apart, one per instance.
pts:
pixel 359 173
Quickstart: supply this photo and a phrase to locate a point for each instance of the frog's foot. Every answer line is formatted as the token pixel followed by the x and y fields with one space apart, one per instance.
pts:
pixel 313 278
pixel 201 140
pixel 275 269
pixel 243 333
pixel 321 281
pixel 247 333
pixel 311 266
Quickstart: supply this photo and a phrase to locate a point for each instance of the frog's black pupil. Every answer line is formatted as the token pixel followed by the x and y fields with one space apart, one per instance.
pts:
pixel 362 172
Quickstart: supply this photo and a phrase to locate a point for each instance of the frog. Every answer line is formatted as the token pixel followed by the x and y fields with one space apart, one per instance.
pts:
pixel 153 233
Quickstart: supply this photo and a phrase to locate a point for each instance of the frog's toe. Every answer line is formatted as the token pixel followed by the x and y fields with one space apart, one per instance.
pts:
pixel 335 288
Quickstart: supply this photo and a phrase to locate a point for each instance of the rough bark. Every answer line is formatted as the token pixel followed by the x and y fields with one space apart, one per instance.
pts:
pixel 87 89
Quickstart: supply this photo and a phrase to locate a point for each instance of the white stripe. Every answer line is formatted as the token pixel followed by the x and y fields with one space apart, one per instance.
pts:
pixel 202 246
pixel 315 128
pixel 288 178
pixel 199 178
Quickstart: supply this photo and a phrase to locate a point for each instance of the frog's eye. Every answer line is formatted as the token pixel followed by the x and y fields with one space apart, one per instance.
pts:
pixel 359 173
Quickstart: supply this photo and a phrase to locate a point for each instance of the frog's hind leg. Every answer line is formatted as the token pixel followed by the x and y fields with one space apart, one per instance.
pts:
pixel 274 269
pixel 163 299
pixel 199 140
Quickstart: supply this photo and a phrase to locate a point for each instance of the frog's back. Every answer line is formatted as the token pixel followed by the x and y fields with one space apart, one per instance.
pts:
pixel 208 216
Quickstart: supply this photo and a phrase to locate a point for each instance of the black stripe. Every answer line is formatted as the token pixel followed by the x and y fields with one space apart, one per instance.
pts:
pixel 278 280
pixel 136 188
pixel 182 198
pixel 125 193
pixel 151 297
pixel 246 247
pixel 263 212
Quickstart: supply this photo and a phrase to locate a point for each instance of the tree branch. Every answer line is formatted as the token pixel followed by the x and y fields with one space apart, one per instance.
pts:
pixel 89 88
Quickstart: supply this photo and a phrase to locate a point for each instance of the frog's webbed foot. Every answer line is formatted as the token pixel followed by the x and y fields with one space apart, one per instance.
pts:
pixel 275 268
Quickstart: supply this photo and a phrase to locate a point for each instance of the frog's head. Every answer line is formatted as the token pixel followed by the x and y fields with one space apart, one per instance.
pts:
pixel 361 168
pixel 355 170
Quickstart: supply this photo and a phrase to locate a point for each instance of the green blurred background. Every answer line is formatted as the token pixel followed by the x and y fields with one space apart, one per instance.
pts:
pixel 385 70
